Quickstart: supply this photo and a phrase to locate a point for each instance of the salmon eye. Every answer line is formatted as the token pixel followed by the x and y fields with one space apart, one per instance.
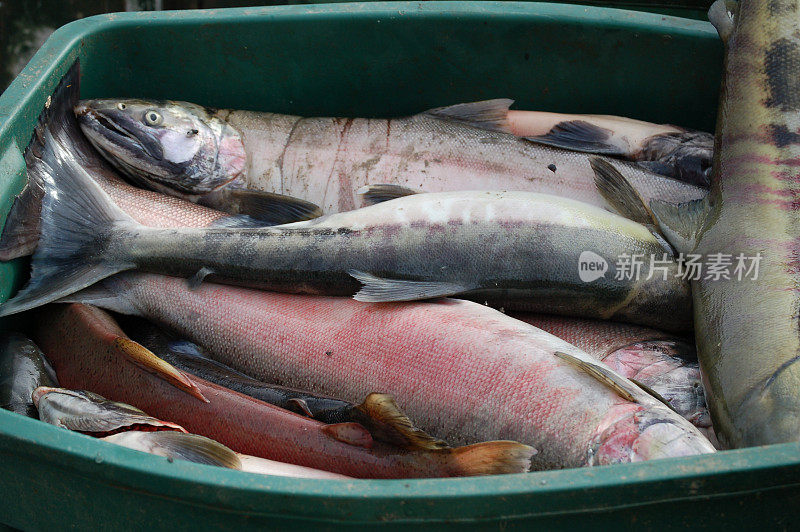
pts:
pixel 121 106
pixel 152 118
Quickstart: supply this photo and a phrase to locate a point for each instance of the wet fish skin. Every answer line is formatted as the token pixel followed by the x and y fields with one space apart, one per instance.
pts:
pixel 667 150
pixel 462 371
pixel 325 160
pixel 378 413
pixel 77 339
pixel 416 247
pixel 130 427
pixel 660 361
pixel 23 368
pixel 90 413
pixel 21 232
pixel 748 341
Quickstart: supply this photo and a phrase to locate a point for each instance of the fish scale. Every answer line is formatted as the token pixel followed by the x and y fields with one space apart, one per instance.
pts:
pixel 326 160
pixel 462 371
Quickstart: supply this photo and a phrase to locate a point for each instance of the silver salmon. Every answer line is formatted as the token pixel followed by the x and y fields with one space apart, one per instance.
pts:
pixel 514 249
pixel 187 150
pixel 21 230
pixel 462 371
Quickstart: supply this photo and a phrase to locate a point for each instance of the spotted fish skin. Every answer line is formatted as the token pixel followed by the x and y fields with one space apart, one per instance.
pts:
pixel 748 340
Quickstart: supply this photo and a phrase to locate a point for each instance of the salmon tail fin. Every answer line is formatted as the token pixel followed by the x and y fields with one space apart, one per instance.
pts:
pixel 491 458
pixel 78 219
pixel 388 423
pixel 21 229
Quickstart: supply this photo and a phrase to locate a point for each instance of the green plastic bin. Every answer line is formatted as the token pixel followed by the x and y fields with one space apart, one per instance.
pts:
pixel 376 59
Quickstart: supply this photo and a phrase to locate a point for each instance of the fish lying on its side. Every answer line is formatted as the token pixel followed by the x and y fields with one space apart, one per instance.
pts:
pixel 661 362
pixel 462 371
pixel 23 368
pixel 378 413
pixel 187 150
pixel 514 249
pixel 128 426
pixel 21 231
pixel 667 150
pixel 80 342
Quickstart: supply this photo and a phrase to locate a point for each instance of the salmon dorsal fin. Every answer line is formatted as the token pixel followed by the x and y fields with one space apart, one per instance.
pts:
pixel 491 115
pixel 373 194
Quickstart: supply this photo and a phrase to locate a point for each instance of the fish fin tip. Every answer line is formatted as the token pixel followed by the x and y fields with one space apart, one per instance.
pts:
pixel 196 280
pixel 722 15
pixel 350 433
pixel 619 193
pixel 582 136
pixel 78 219
pixel 603 375
pixel 491 115
pixel 653 394
pixel 241 221
pixel 184 446
pixel 302 405
pixel 680 222
pixel 395 425
pixel 99 295
pixel 142 357
pixel 378 289
pixel 492 458
pixel 21 230
pixel 378 193
pixel 266 208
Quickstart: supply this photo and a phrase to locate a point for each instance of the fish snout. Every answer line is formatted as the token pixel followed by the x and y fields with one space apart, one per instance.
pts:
pixel 634 433
pixel 40 392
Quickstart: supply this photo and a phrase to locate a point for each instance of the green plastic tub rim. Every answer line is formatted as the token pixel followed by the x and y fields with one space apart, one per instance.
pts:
pixel 409 500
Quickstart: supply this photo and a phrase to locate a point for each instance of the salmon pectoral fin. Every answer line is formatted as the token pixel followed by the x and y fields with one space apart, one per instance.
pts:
pixel 147 360
pixel 302 405
pixel 379 289
pixel 582 136
pixel 373 194
pixel 619 193
pixel 603 374
pixel 350 433
pixel 654 393
pixel 196 280
pixel 388 423
pixel 180 446
pixel 491 115
pixel 266 208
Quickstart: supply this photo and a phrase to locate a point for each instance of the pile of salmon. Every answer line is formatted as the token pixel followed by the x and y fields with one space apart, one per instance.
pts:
pixel 472 290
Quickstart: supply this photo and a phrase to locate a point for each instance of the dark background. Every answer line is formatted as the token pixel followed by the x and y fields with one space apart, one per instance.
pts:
pixel 26 24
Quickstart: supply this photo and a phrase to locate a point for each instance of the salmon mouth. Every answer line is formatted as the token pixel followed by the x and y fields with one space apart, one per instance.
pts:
pixel 96 124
